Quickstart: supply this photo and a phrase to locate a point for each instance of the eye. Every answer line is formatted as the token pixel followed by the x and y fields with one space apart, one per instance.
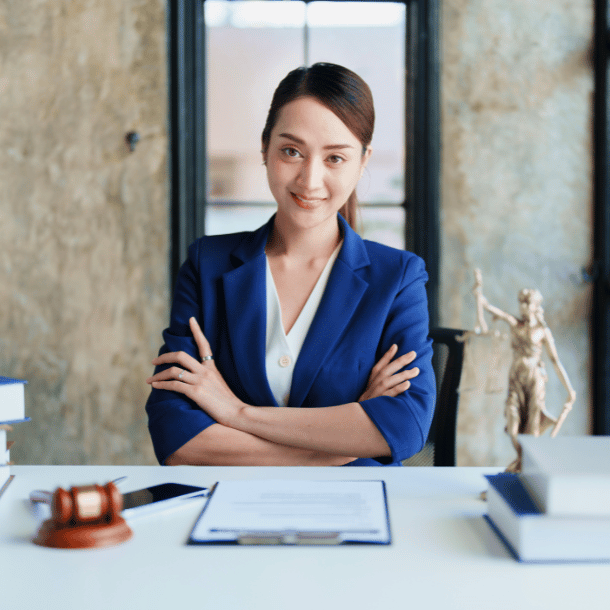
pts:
pixel 291 152
pixel 336 159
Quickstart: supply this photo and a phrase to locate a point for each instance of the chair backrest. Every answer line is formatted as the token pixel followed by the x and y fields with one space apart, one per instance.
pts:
pixel 440 448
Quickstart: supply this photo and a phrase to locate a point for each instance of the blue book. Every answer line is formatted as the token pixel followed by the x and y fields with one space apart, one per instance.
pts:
pixel 534 536
pixel 12 400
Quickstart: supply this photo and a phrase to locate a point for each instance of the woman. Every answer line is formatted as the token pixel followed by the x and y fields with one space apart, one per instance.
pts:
pixel 300 313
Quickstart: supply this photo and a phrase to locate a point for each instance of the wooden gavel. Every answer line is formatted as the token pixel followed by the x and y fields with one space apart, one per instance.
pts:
pixel 85 516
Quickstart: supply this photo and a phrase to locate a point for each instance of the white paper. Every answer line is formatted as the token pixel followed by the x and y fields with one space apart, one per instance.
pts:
pixel 355 509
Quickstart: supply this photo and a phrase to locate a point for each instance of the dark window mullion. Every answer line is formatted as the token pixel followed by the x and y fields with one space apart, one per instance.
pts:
pixel 600 317
pixel 423 142
pixel 187 127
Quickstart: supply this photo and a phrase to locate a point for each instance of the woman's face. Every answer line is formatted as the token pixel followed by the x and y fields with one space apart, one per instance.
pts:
pixel 313 163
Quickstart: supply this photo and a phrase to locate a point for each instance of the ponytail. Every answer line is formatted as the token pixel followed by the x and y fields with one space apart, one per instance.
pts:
pixel 350 211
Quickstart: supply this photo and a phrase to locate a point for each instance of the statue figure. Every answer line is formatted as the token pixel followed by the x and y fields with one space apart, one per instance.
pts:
pixel 525 409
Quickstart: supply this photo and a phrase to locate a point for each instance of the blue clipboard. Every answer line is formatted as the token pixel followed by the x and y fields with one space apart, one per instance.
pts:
pixel 291 512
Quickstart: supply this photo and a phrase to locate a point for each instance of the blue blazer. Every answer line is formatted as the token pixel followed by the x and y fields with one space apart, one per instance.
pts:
pixel 375 296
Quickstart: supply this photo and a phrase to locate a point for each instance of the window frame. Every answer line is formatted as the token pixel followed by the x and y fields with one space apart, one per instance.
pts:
pixel 187 133
pixel 599 274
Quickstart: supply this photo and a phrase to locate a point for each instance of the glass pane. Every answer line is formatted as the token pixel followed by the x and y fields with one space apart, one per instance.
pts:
pixel 233 218
pixel 369 38
pixel 384 224
pixel 251 46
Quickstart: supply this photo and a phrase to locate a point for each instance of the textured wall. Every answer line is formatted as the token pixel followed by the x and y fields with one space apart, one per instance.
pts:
pixel 516 102
pixel 83 251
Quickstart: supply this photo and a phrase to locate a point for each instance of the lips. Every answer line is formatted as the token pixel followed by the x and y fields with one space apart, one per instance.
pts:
pixel 305 203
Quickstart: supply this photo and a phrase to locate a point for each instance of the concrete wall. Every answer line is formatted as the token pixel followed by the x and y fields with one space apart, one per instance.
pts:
pixel 517 81
pixel 83 250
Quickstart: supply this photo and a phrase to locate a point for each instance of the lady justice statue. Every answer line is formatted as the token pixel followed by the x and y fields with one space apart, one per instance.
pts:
pixel 525 410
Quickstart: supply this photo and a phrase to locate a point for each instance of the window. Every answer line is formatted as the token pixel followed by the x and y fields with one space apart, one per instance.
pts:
pixel 227 57
pixel 359 35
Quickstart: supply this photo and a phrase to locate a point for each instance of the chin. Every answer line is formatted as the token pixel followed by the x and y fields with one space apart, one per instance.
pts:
pixel 307 218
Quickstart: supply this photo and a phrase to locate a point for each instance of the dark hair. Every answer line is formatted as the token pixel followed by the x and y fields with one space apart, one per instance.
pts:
pixel 341 91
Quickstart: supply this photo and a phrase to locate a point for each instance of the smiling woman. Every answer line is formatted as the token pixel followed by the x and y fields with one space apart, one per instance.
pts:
pixel 310 327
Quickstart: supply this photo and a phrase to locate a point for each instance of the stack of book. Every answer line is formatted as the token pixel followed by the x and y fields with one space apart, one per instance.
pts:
pixel 558 507
pixel 12 411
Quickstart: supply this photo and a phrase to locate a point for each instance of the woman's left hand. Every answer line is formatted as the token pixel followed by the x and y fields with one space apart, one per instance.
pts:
pixel 386 378
pixel 199 381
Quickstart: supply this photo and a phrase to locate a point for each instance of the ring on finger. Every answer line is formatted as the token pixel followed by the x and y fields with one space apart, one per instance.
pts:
pixel 204 358
pixel 180 374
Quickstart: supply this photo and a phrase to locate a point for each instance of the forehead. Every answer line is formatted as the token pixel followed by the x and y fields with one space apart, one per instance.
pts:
pixel 311 121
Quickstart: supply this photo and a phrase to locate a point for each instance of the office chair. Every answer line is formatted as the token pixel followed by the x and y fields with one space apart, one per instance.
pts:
pixel 440 448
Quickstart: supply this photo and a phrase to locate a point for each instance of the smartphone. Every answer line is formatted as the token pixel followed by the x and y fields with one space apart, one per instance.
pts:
pixel 158 497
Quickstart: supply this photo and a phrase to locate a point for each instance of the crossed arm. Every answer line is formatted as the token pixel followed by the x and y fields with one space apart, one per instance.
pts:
pixel 248 435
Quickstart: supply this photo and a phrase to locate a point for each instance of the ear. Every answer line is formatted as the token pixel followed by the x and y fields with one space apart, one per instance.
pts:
pixel 264 151
pixel 365 159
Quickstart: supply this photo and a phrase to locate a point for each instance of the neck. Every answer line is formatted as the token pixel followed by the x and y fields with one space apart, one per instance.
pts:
pixel 295 242
pixel 531 321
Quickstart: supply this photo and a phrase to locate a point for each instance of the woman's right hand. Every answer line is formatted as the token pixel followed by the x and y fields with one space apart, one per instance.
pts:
pixel 385 380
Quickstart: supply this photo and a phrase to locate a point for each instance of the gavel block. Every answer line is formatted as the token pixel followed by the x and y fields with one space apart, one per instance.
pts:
pixel 84 517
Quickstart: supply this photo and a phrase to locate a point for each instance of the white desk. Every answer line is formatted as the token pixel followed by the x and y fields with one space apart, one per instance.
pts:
pixel 443 554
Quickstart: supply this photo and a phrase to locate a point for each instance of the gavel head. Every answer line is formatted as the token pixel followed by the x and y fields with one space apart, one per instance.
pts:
pixel 86 504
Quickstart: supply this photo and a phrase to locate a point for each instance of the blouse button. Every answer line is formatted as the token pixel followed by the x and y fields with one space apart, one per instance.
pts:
pixel 284 361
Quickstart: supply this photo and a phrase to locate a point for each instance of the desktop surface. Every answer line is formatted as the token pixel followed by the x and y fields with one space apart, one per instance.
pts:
pixel 443 553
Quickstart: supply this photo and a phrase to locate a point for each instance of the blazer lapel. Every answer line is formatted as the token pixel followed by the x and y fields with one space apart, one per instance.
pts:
pixel 246 315
pixel 341 297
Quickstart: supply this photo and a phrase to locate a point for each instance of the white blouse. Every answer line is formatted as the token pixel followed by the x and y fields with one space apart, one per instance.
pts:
pixel 282 350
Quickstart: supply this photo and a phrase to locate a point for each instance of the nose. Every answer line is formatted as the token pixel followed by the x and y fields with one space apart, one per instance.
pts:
pixel 311 176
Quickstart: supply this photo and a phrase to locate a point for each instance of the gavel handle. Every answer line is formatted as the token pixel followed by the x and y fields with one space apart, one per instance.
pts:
pixel 40 496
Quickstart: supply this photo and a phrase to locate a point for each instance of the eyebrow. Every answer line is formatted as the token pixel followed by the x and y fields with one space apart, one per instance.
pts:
pixel 299 141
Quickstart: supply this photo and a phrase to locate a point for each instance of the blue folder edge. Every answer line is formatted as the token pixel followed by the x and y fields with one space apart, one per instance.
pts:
pixel 191 541
pixel 10 422
pixel 10 380
pixel 510 487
